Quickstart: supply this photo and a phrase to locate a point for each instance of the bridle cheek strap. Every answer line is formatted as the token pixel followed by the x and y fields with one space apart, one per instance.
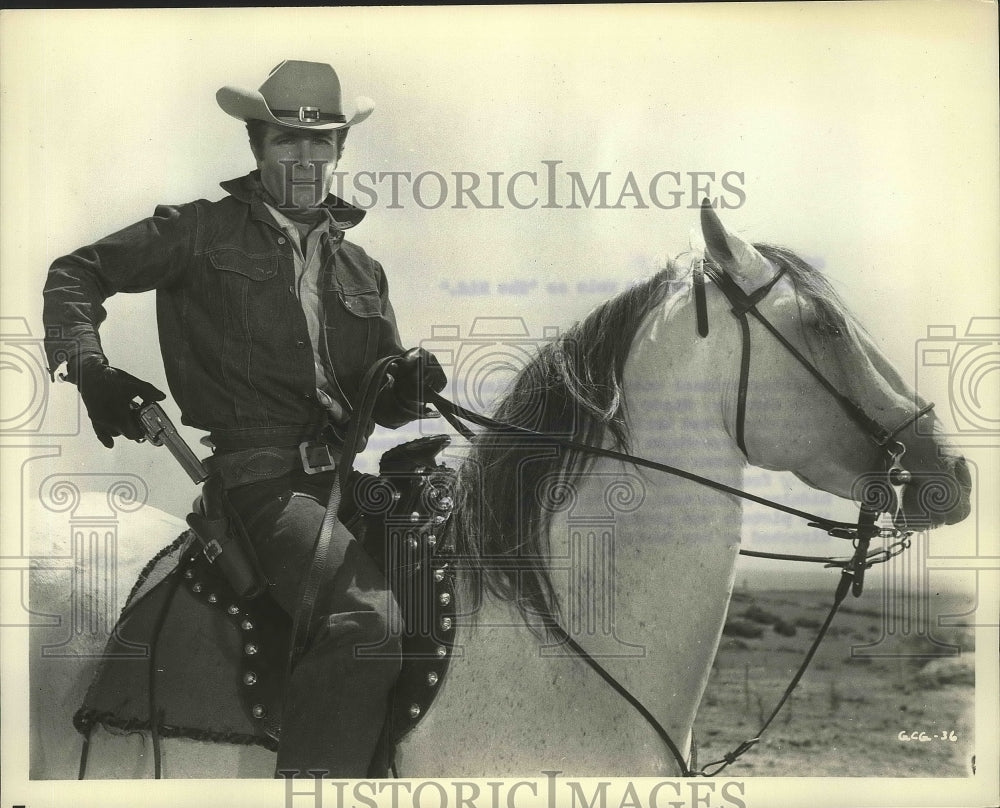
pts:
pixel 741 394
pixel 741 303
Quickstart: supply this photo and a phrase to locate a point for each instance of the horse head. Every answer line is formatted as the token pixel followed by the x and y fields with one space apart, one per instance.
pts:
pixel 744 356
pixel 842 436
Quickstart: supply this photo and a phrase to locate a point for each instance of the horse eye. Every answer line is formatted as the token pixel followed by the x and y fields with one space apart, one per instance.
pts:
pixel 815 323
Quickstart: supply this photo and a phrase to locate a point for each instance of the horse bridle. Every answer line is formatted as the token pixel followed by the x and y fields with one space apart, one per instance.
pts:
pixel 874 500
pixel 744 304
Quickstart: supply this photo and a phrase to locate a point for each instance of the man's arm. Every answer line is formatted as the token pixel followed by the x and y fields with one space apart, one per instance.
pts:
pixel 147 255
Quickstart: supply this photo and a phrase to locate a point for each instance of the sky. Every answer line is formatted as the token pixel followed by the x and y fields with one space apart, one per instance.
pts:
pixel 862 135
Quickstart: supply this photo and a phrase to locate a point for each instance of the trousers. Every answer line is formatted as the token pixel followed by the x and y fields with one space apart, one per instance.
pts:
pixel 337 695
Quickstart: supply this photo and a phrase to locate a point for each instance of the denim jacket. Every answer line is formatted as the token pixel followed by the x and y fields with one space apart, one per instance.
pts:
pixel 236 350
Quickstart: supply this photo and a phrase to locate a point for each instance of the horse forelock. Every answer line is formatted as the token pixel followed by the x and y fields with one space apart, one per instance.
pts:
pixel 832 317
pixel 813 285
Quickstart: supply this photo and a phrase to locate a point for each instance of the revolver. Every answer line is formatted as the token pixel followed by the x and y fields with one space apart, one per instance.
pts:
pixel 160 431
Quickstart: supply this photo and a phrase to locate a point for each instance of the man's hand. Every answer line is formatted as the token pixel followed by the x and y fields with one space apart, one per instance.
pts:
pixel 416 372
pixel 412 375
pixel 108 394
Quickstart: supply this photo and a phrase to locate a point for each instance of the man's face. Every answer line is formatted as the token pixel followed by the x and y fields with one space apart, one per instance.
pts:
pixel 297 165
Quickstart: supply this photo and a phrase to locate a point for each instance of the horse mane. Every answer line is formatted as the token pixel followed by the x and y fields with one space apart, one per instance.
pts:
pixel 573 389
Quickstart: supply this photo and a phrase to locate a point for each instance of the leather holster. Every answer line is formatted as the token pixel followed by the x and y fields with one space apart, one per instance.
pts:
pixel 224 541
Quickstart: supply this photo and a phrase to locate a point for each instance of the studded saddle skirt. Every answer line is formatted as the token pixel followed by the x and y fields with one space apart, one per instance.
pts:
pixel 190 658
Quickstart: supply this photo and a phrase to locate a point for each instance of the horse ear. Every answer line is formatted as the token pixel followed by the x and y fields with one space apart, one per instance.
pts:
pixel 731 252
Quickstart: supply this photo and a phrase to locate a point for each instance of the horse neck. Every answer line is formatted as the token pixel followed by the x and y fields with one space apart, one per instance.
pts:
pixel 648 547
pixel 650 557
pixel 677 386
pixel 642 566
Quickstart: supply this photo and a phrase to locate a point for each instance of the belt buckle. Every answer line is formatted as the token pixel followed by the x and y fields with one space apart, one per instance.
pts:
pixel 316 457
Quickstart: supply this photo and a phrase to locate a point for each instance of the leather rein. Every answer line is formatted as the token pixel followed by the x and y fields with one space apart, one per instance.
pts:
pixel 860 533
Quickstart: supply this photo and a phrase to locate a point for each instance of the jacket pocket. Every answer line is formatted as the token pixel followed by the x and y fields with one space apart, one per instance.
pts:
pixel 255 266
pixel 245 300
pixel 360 304
pixel 352 323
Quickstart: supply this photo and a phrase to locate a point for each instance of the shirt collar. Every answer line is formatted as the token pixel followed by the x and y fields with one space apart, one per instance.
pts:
pixel 249 189
pixel 324 225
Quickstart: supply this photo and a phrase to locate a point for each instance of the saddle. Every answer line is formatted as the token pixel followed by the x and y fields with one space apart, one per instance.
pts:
pixel 206 664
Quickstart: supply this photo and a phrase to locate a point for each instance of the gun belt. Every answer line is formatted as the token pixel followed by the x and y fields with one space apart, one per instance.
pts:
pixel 245 466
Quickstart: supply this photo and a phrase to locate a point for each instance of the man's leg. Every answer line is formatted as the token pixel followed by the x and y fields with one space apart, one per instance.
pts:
pixel 336 700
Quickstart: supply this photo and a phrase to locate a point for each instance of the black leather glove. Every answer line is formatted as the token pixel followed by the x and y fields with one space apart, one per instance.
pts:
pixel 108 394
pixel 415 373
pixel 410 376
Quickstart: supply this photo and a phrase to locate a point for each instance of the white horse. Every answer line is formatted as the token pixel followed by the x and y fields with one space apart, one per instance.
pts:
pixel 638 565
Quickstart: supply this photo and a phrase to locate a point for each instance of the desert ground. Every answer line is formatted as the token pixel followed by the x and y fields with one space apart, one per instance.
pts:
pixel 891 662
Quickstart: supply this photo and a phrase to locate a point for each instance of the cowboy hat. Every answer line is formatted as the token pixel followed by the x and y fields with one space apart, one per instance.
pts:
pixel 301 95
